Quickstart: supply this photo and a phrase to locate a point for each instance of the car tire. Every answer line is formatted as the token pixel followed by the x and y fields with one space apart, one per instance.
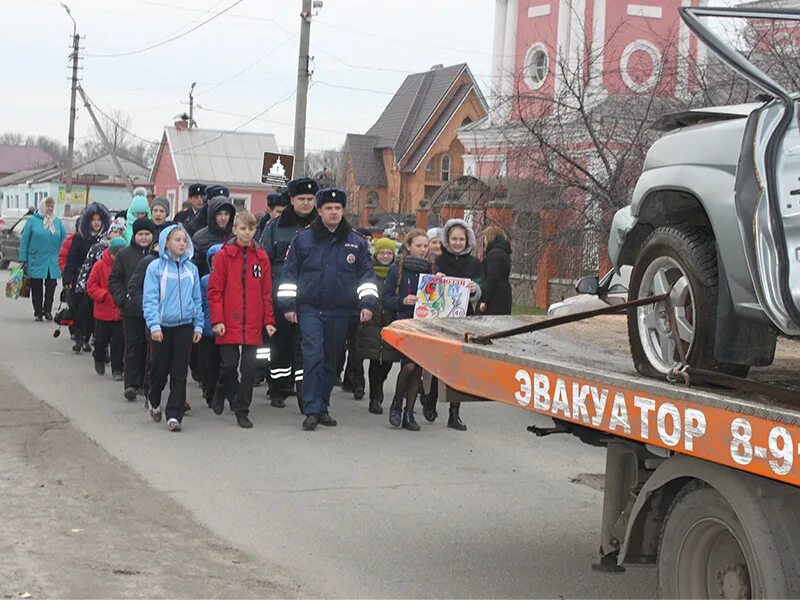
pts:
pixel 682 258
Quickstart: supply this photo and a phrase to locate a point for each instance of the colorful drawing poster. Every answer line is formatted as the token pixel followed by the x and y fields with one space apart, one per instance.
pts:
pixel 441 297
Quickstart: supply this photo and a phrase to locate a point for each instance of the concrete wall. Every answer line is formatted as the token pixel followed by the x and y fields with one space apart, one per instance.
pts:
pixel 524 289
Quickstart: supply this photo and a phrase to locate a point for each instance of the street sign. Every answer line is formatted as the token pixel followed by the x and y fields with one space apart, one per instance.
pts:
pixel 276 170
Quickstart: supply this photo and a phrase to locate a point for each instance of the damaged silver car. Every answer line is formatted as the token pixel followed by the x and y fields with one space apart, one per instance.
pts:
pixel 715 220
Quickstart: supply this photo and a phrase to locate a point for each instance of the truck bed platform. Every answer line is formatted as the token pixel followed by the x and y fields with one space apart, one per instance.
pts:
pixel 582 373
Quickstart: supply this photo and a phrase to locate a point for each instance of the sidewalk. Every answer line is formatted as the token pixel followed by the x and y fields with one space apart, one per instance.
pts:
pixel 76 523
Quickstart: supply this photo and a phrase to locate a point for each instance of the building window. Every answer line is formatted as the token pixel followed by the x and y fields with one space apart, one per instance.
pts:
pixel 372 199
pixel 446 167
pixel 241 201
pixel 430 170
pixel 537 65
pixel 641 77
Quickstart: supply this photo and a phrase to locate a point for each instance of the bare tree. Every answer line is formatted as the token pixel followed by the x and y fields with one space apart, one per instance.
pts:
pixel 330 161
pixel 53 147
pixel 124 143
pixel 577 150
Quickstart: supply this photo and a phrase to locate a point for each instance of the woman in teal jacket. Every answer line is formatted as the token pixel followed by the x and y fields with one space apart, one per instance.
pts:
pixel 38 249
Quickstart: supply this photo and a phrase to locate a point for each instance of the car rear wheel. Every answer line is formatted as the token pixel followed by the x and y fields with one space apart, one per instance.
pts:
pixel 682 260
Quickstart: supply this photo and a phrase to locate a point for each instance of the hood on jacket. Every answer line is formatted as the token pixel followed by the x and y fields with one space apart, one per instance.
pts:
pixel 216 205
pixel 162 243
pixel 210 254
pixel 446 236
pixel 500 243
pixel 85 222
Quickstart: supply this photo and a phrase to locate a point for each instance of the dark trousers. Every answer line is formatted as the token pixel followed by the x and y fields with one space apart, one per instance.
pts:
pixel 109 333
pixel 241 392
pixel 170 359
pixel 135 351
pixel 42 293
pixel 286 358
pixel 208 359
pixel 323 337
pixel 83 319
pixel 354 371
pixel 378 373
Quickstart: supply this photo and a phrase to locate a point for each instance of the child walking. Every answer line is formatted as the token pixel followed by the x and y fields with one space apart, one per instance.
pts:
pixel 400 295
pixel 240 302
pixel 208 359
pixel 368 339
pixel 107 318
pixel 173 311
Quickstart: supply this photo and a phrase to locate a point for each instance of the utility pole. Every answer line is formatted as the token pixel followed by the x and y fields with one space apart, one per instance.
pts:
pixel 303 76
pixel 76 43
pixel 191 105
pixel 106 143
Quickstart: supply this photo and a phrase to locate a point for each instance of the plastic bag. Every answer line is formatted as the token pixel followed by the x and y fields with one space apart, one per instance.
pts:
pixel 15 283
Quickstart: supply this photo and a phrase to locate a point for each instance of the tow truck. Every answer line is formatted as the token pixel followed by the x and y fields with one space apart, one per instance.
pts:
pixel 700 479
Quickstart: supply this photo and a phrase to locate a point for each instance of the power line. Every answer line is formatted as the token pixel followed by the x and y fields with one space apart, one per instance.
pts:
pixel 250 66
pixel 355 89
pixel 287 123
pixel 245 124
pixel 171 39
pixel 362 67
pixel 113 121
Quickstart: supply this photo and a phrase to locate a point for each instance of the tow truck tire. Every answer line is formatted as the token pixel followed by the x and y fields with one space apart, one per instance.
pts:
pixel 705 552
pixel 689 254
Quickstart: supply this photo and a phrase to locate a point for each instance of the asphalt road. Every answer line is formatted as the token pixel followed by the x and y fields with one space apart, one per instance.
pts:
pixel 360 510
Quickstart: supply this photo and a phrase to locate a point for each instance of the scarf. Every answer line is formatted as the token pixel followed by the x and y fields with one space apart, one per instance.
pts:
pixel 48 221
pixel 416 265
pixel 381 271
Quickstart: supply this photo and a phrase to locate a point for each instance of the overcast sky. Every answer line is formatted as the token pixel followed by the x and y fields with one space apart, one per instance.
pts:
pixel 369 45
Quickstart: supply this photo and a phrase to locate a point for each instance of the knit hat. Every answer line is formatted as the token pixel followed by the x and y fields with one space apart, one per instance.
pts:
pixel 162 202
pixel 143 225
pixel 139 205
pixel 385 244
pixel 331 196
pixel 140 191
pixel 118 224
pixel 434 233
pixel 116 244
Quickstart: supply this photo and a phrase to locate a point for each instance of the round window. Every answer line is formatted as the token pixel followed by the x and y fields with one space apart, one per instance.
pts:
pixel 537 65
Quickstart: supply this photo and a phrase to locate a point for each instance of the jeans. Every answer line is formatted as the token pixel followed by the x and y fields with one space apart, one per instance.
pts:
pixel 323 336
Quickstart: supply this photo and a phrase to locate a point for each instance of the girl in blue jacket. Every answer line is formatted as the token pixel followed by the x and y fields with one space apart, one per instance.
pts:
pixel 399 294
pixel 173 310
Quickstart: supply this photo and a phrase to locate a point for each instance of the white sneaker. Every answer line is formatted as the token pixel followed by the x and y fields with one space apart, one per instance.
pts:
pixel 173 424
pixel 155 413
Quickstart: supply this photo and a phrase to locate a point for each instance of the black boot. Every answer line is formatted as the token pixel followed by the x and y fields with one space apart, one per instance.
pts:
pixel 375 403
pixel 396 412
pixel 76 347
pixel 277 400
pixel 358 393
pixel 428 408
pixel 99 367
pixel 311 422
pixel 409 422
pixel 218 402
pixel 327 420
pixel 454 422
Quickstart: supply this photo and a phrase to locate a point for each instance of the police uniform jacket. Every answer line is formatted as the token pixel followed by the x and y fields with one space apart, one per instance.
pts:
pixel 278 235
pixel 327 270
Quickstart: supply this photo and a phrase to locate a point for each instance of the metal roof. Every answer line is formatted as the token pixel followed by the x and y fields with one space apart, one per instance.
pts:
pixel 366 160
pixel 15 158
pixel 233 158
pixel 100 169
pixel 412 106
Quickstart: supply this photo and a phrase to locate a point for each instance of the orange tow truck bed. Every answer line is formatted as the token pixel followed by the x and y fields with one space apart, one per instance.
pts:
pixel 578 381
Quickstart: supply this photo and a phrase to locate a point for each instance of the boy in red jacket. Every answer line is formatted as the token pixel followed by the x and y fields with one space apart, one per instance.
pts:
pixel 107 318
pixel 240 302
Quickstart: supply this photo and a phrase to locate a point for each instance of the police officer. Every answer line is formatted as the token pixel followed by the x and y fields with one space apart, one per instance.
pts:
pixel 273 200
pixel 286 358
pixel 327 277
pixel 196 198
